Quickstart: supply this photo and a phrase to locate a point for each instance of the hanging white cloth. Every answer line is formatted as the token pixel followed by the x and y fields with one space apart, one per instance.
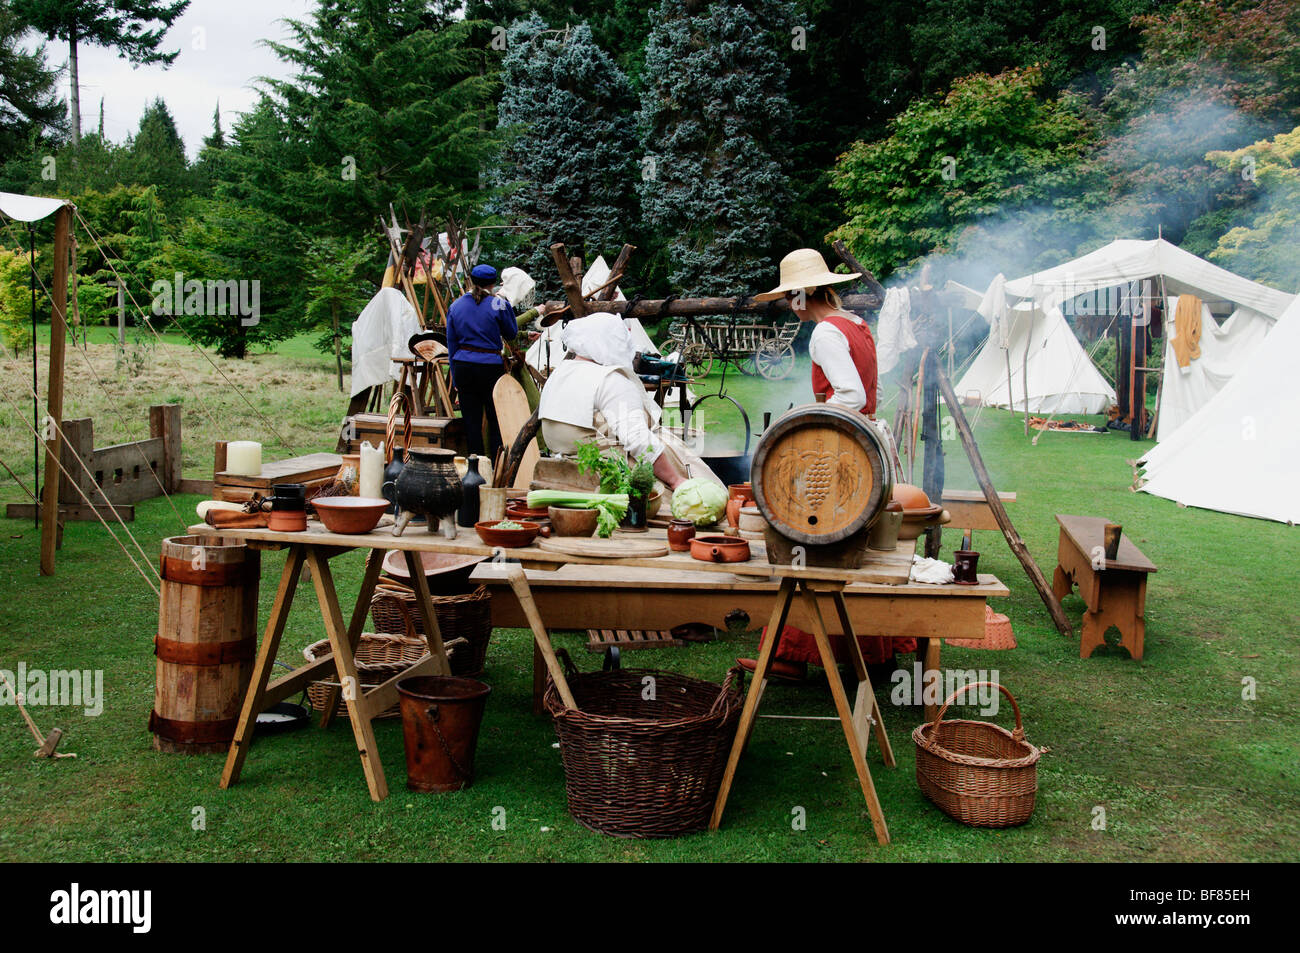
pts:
pixel 379 334
pixel 895 329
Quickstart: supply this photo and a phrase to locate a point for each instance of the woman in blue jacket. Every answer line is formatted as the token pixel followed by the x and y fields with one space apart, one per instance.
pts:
pixel 477 324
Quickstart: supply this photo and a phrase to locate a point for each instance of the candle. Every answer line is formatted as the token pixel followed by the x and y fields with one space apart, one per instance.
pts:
pixel 372 470
pixel 244 458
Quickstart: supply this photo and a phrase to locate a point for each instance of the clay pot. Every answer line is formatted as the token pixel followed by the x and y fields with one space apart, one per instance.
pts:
pixel 427 486
pixel 741 491
pixel 884 535
pixel 912 497
pixel 352 461
pixel 507 538
pixel 566 521
pixel 680 534
pixel 720 549
pixel 288 506
pixel 733 512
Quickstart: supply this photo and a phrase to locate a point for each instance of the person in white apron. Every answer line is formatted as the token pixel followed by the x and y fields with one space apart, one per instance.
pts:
pixel 593 394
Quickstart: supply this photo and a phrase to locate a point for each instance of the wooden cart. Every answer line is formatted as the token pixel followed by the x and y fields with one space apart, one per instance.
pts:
pixel 763 349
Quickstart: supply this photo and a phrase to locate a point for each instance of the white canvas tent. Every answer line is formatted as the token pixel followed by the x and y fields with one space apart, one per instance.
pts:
pixel 1238 453
pixel 1044 354
pixel 1062 383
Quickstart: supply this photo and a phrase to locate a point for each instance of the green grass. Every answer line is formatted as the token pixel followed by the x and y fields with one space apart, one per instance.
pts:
pixel 1184 767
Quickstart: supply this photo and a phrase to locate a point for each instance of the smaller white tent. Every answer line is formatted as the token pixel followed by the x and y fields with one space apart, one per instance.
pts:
pixel 1038 349
pixel 1239 453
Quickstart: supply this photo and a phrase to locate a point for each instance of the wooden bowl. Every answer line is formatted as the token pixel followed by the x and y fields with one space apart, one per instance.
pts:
pixel 568 521
pixel 447 573
pixel 507 538
pixel 350 515
pixel 720 549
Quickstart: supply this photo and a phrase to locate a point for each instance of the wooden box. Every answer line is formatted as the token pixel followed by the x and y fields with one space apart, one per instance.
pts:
pixel 314 470
pixel 443 432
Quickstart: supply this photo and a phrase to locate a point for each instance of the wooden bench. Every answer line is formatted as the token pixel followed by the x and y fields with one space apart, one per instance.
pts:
pixel 969 509
pixel 1114 589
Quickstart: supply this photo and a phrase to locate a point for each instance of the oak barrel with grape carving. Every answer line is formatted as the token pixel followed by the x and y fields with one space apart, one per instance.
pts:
pixel 822 474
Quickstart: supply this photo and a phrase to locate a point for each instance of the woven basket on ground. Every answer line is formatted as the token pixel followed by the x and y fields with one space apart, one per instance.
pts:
pixel 467 617
pixel 997 633
pixel 638 767
pixel 977 772
pixel 379 657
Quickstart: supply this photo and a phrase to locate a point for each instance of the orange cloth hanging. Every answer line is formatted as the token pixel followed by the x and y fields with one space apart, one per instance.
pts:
pixel 1187 329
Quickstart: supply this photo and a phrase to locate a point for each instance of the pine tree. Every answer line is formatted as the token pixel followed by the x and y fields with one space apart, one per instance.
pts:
pixel 156 154
pixel 135 28
pixel 714 117
pixel 569 168
pixel 29 91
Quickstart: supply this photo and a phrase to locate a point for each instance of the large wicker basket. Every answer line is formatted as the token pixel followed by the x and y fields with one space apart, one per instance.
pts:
pixel 378 658
pixel 635 767
pixel 468 617
pixel 977 772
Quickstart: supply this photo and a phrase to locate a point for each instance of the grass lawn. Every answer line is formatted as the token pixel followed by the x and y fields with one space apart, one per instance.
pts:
pixel 1183 766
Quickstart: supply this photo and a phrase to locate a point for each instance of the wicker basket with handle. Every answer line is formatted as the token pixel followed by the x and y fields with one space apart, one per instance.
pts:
pixel 977 772
pixel 378 658
pixel 644 767
pixel 467 616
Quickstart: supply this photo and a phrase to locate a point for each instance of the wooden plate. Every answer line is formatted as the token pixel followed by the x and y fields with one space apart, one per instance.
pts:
pixel 605 548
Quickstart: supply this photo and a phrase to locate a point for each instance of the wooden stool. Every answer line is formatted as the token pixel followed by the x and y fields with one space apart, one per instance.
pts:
pixel 1114 589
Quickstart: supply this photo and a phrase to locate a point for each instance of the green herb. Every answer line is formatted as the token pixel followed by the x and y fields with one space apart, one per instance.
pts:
pixel 615 474
pixel 507 524
pixel 610 506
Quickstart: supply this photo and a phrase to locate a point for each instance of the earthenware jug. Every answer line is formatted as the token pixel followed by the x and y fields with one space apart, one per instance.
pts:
pixel 470 483
pixel 680 534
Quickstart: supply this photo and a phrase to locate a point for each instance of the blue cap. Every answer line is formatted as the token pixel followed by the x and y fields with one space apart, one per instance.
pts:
pixel 484 274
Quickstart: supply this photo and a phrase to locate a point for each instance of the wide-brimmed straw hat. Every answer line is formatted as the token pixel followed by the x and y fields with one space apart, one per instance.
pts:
pixel 804 268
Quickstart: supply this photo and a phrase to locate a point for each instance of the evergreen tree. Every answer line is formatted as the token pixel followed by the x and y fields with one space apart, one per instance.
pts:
pixel 156 154
pixel 714 119
pixel 135 28
pixel 29 95
pixel 569 168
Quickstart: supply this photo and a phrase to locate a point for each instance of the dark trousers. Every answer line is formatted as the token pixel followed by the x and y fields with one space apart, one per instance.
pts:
pixel 474 383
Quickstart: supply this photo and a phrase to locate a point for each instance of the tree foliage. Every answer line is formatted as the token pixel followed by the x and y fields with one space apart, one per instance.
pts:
pixel 713 119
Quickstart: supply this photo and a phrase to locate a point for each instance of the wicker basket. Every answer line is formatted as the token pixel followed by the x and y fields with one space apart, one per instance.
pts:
pixel 997 634
pixel 467 617
pixel 639 768
pixel 379 657
pixel 977 772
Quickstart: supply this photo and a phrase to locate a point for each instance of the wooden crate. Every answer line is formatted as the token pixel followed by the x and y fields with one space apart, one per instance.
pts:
pixel 314 470
pixel 444 432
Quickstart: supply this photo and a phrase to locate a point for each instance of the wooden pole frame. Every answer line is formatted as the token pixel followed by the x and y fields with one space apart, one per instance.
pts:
pixel 54 397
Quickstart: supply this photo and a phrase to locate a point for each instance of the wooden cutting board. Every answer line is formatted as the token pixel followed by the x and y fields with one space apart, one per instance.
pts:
pixel 512 413
pixel 621 548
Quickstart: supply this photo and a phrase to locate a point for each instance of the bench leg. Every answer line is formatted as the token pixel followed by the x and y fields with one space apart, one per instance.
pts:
pixel 1061 585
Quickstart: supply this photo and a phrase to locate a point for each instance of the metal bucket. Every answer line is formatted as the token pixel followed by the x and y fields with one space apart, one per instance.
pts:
pixel 441 715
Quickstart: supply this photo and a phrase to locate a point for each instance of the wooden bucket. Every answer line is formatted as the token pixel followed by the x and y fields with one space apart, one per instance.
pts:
pixel 821 479
pixel 207 639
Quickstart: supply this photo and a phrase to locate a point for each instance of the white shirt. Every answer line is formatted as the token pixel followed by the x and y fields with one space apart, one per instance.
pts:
pixel 622 403
pixel 829 349
pixel 578 390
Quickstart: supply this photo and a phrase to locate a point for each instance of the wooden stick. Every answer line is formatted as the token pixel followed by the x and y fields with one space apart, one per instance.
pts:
pixel 999 511
pixel 54 396
pixel 867 278
pixel 680 307
pixel 572 287
pixel 519 583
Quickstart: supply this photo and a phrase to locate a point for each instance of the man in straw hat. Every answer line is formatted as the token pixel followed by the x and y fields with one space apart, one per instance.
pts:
pixel 844 372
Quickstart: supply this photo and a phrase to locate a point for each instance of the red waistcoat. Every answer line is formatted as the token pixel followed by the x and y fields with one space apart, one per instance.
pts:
pixel 862 350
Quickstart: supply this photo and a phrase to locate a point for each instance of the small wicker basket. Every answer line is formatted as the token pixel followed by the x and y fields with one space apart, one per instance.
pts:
pixel 379 657
pixel 638 767
pixel 977 772
pixel 467 616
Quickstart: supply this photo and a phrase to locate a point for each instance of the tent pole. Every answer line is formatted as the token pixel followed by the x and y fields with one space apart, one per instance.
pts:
pixel 36 412
pixel 54 398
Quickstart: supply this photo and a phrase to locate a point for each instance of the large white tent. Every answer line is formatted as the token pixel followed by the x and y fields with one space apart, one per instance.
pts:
pixel 1238 453
pixel 1061 377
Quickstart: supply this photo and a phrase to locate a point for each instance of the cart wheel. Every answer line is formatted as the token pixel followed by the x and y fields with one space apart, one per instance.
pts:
pixel 774 360
pixel 699 362
pixel 748 364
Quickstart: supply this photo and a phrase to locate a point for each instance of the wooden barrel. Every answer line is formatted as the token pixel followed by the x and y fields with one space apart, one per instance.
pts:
pixel 207 639
pixel 821 474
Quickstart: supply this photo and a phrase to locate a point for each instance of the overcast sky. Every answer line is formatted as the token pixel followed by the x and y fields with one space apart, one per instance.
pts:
pixel 220 58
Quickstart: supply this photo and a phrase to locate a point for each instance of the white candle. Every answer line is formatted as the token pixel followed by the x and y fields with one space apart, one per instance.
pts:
pixel 244 458
pixel 372 470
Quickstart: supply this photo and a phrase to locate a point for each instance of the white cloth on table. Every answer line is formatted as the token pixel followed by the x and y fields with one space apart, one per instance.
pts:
pixel 895 329
pixel 829 350
pixel 379 334
pixel 930 570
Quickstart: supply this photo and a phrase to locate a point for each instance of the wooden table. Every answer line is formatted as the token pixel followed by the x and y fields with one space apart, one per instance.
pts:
pixel 1114 589
pixel 628 597
pixel 585 596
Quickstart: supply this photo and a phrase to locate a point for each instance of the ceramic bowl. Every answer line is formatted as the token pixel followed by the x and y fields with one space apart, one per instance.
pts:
pixel 507 538
pixel 568 521
pixel 720 549
pixel 352 515
pixel 447 573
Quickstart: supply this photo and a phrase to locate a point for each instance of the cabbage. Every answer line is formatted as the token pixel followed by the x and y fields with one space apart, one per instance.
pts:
pixel 700 500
